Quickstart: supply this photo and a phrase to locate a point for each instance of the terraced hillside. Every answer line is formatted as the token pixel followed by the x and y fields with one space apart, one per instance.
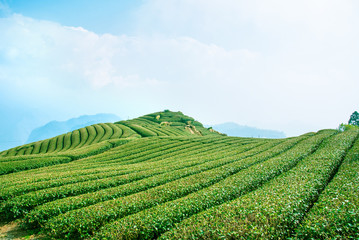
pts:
pixel 165 176
pixel 98 138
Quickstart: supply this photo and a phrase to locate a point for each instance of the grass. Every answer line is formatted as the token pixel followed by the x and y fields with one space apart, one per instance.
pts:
pixel 165 176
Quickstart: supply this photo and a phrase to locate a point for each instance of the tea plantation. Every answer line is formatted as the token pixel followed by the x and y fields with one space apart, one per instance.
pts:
pixel 165 176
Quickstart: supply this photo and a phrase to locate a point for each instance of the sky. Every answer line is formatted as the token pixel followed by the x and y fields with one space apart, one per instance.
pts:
pixel 274 64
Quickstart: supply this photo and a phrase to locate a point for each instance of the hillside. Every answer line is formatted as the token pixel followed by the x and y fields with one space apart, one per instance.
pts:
pixel 100 137
pixel 54 128
pixel 165 176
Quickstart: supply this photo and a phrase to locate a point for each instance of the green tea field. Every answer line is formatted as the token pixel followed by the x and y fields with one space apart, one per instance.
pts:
pixel 165 176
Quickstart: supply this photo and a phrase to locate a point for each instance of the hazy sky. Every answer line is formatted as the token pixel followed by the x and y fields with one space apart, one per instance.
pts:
pixel 276 64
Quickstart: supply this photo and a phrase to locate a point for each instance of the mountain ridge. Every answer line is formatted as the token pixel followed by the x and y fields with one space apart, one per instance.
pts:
pixel 55 128
pixel 163 124
pixel 236 130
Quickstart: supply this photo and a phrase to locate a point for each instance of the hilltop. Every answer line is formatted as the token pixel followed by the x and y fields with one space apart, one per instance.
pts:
pixel 100 137
pixel 165 176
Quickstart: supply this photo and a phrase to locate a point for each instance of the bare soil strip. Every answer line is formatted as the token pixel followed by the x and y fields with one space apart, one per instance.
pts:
pixel 12 231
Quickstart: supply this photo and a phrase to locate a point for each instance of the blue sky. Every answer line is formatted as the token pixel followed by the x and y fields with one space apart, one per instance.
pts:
pixel 275 64
pixel 109 16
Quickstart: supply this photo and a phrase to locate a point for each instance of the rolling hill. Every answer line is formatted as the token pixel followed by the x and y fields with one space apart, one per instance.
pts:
pixel 165 176
pixel 54 128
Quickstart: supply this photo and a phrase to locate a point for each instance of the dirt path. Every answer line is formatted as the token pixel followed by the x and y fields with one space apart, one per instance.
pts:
pixel 12 231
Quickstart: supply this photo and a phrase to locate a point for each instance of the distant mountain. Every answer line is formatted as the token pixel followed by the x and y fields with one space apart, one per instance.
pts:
pixel 236 130
pixel 98 137
pixel 55 128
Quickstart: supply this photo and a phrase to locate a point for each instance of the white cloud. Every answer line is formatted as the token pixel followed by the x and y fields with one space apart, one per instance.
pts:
pixel 225 21
pixel 46 60
pixel 304 72
pixel 286 65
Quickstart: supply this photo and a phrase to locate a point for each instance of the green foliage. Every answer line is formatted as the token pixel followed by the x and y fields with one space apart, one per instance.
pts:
pixel 67 141
pixel 353 123
pixel 145 126
pixel 142 131
pixel 354 119
pixel 100 132
pixel 336 213
pixel 81 222
pixel 117 131
pixel 156 176
pixel 52 146
pixel 75 140
pixel 274 210
pixel 345 127
pixel 152 222
pixel 30 163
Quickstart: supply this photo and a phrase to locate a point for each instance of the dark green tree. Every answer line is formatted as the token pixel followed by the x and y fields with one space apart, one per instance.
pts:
pixel 354 119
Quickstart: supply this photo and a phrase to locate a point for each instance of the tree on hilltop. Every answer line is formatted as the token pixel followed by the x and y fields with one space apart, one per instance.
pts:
pixel 354 119
pixel 353 123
